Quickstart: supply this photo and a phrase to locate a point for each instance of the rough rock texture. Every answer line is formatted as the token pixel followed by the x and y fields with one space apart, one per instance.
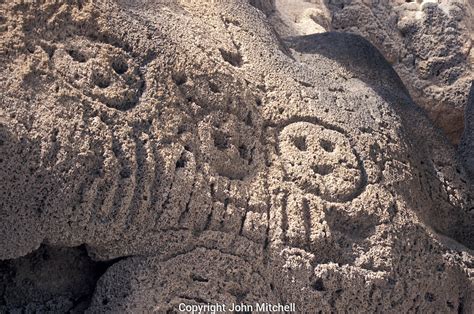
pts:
pixel 50 280
pixel 222 163
pixel 428 43
pixel 467 142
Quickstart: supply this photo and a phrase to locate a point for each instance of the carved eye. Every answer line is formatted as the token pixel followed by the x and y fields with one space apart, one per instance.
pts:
pixel 300 142
pixel 77 55
pixel 120 66
pixel 100 80
pixel 327 145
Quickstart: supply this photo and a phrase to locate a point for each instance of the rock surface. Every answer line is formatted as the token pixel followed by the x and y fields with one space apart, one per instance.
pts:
pixel 428 43
pixel 223 163
pixel 49 280
pixel 467 142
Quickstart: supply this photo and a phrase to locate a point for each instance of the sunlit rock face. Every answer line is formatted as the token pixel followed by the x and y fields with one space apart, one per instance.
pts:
pixel 427 42
pixel 213 160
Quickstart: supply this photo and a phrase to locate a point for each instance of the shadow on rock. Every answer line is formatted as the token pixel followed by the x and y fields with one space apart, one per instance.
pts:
pixel 360 58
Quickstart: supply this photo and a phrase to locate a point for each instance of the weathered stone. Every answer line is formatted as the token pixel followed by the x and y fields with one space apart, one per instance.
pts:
pixel 224 164
pixel 427 42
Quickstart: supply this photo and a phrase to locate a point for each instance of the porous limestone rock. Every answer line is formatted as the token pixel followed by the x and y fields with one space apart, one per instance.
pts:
pixel 428 43
pixel 221 163
pixel 467 142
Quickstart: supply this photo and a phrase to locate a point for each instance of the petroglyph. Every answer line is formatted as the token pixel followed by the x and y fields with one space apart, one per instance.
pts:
pixel 101 71
pixel 321 161
pixel 185 143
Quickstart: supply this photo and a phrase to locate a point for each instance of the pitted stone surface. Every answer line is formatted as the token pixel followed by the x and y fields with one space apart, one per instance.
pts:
pixel 429 44
pixel 467 141
pixel 321 161
pixel 100 71
pixel 221 163
pixel 197 277
pixel 230 146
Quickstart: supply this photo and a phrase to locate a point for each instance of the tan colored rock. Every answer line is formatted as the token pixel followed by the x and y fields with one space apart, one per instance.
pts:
pixel 466 149
pixel 427 42
pixel 223 163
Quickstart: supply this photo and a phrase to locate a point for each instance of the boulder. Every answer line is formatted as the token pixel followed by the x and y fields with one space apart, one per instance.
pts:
pixel 427 42
pixel 212 161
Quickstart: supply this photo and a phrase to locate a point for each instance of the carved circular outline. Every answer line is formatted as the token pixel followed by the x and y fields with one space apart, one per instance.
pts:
pixel 362 182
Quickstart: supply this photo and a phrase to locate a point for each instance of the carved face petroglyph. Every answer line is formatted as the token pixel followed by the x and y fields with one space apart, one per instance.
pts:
pixel 203 163
pixel 321 161
pixel 101 71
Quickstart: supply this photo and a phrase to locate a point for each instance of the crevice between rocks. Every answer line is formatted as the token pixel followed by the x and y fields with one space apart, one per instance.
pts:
pixel 50 279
